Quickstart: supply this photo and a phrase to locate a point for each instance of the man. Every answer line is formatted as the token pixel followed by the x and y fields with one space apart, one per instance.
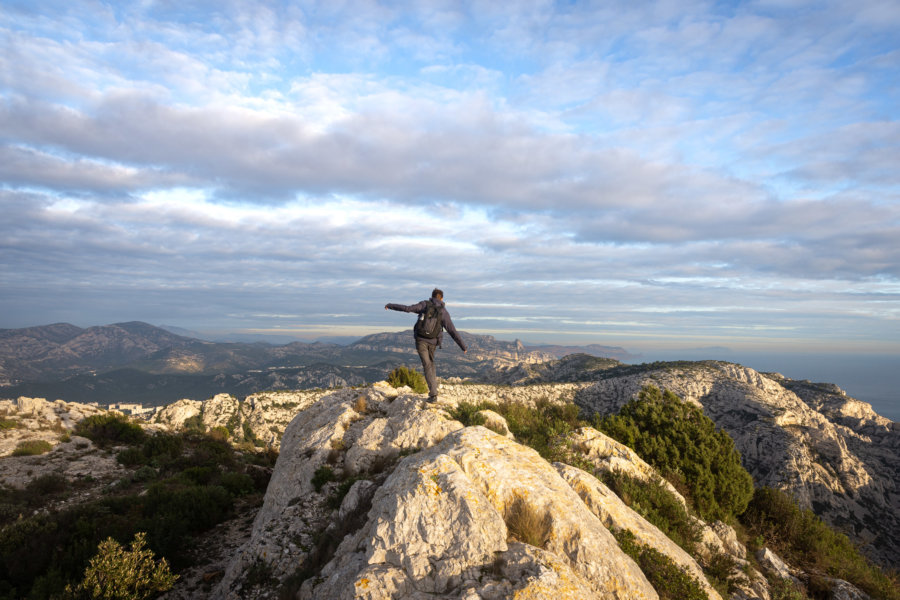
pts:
pixel 429 332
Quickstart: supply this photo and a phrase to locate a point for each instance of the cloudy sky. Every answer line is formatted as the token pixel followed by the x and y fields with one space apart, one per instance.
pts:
pixel 647 174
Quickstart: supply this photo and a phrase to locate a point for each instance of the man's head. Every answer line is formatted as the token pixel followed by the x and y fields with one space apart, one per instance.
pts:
pixel 436 293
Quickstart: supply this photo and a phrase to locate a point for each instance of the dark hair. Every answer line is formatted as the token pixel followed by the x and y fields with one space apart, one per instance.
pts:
pixel 436 293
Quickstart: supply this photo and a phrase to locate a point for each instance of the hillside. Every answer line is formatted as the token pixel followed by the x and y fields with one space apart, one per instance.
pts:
pixel 377 494
pixel 831 452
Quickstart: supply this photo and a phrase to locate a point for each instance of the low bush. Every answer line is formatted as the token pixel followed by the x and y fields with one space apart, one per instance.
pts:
pixel 323 475
pixel 237 484
pixel 8 424
pixel 684 446
pixel 219 433
pixel 669 580
pixel 403 376
pixel 804 540
pixel 110 429
pixel 467 413
pixel 118 574
pixel 659 506
pixel 47 485
pixel 32 448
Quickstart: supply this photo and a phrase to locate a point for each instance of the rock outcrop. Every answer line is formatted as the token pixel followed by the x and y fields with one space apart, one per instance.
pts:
pixel 260 419
pixel 831 453
pixel 36 419
pixel 377 494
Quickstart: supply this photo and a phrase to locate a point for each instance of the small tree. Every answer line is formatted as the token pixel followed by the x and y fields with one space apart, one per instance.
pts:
pixel 684 444
pixel 118 574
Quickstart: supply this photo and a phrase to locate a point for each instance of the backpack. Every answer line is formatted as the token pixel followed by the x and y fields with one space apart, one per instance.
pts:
pixel 430 321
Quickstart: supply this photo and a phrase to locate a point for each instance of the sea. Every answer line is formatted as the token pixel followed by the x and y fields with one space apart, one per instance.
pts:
pixel 872 378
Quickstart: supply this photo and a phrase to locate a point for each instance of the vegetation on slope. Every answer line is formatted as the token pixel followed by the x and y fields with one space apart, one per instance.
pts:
pixel 804 540
pixel 683 444
pixel 177 486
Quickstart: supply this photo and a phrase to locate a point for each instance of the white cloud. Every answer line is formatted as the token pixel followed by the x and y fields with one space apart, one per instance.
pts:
pixel 679 166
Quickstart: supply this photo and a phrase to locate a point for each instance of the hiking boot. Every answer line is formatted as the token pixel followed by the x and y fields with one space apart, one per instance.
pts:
pixel 432 399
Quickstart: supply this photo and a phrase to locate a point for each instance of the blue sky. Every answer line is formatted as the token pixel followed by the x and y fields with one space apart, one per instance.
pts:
pixel 654 175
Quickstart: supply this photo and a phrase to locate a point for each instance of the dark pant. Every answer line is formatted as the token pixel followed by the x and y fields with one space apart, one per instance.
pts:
pixel 426 353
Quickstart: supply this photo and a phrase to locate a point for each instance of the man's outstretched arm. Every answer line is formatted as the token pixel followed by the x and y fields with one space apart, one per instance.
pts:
pixel 416 308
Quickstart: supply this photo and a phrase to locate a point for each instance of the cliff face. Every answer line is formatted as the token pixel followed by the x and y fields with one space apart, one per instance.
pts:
pixel 832 453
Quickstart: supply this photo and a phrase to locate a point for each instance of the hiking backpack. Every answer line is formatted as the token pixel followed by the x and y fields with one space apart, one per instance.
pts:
pixel 430 321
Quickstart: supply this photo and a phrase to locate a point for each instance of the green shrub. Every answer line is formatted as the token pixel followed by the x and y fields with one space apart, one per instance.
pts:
pixel 32 448
pixel 47 485
pixel 219 433
pixel 323 475
pixel 131 457
pixel 785 589
pixel 467 414
pixel 191 490
pixel 659 506
pixel 402 376
pixel 683 444
pixel 722 573
pixel 670 581
pixel 163 448
pixel 194 423
pixel 545 428
pixel 237 484
pixel 8 424
pixel 118 574
pixel 110 429
pixel 804 540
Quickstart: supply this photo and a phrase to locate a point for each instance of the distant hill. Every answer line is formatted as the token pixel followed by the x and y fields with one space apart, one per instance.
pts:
pixel 558 351
pixel 138 362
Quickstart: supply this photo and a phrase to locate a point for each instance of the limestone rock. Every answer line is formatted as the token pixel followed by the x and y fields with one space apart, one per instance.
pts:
pixel 772 564
pixel 436 527
pixel 728 536
pixel 496 423
pixel 36 419
pixel 616 516
pixel 358 433
pixel 174 415
pixel 219 410
pixel 608 455
pixel 843 590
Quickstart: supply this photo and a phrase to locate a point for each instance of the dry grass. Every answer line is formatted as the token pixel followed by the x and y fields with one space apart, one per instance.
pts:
pixel 527 524
pixel 32 448
pixel 361 405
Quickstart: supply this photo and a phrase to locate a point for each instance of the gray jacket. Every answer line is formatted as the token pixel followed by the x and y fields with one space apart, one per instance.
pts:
pixel 447 323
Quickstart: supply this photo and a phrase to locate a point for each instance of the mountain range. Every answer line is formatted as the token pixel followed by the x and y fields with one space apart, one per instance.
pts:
pixel 139 362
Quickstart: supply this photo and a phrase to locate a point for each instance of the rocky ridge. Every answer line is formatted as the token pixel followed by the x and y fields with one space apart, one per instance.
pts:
pixel 418 506
pixel 832 453
pixel 428 508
